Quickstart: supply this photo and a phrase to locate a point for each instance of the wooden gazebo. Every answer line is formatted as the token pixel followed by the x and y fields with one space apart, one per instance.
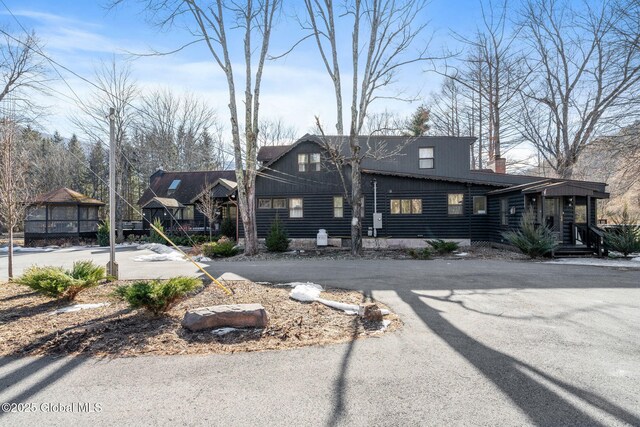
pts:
pixel 61 214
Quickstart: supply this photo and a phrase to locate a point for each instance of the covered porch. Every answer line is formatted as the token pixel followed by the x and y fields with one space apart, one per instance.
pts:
pixel 570 211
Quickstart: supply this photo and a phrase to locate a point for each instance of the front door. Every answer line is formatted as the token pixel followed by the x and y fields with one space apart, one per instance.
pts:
pixel 553 216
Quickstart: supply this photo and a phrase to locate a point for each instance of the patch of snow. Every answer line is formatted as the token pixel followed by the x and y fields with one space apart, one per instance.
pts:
pixel 157 248
pixel 462 254
pixel 5 249
pixel 385 325
pixel 305 292
pixel 162 253
pixel 78 307
pixel 223 331
pixel 174 256
pixel 629 263
pixel 350 309
pixel 294 284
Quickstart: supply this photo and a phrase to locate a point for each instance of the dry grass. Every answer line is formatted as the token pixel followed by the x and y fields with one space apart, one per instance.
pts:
pixel 27 326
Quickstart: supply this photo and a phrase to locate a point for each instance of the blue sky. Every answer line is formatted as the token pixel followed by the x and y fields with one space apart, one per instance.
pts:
pixel 79 34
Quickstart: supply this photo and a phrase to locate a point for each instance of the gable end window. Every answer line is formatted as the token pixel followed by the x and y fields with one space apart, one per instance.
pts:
pixel 479 205
pixel 455 204
pixel 406 206
pixel 309 162
pixel 426 157
pixel 295 208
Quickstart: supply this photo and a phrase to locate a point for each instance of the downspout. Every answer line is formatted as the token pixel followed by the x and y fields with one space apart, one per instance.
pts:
pixel 375 205
pixel 471 212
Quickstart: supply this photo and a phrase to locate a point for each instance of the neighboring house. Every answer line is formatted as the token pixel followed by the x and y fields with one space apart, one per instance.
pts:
pixel 61 214
pixel 426 191
pixel 173 197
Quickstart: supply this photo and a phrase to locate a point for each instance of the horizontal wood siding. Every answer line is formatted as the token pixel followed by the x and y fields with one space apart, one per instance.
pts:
pixel 495 227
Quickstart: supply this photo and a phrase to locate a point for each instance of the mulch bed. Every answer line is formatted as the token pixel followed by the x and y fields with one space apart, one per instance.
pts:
pixel 27 326
pixel 336 254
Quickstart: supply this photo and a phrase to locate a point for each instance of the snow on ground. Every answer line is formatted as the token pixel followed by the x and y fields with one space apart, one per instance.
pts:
pixel 162 253
pixel 78 307
pixel 5 249
pixel 598 262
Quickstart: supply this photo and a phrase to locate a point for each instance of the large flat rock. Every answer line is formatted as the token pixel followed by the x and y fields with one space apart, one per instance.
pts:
pixel 219 316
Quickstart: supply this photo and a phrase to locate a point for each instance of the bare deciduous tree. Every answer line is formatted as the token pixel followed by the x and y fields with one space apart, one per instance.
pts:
pixel 212 23
pixel 115 88
pixel 209 206
pixel 14 188
pixel 275 132
pixel 585 74
pixel 382 36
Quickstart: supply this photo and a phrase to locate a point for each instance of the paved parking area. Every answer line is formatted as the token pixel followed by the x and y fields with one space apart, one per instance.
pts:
pixel 129 268
pixel 484 343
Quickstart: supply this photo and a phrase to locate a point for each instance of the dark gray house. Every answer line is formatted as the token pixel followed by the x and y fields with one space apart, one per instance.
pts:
pixel 173 198
pixel 426 190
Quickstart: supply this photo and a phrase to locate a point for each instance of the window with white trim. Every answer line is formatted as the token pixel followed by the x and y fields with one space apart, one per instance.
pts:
pixel 264 203
pixel 279 204
pixel 338 206
pixel 425 155
pixel 308 162
pixel 295 208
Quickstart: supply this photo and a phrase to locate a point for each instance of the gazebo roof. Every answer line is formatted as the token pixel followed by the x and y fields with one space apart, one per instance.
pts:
pixel 65 196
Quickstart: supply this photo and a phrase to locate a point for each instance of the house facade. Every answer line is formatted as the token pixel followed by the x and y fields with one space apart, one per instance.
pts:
pixel 414 189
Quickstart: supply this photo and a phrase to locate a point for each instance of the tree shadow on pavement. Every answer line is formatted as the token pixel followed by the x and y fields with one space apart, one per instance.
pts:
pixel 542 405
pixel 340 384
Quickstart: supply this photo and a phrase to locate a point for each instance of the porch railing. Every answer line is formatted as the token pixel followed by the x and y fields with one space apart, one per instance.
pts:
pixel 592 237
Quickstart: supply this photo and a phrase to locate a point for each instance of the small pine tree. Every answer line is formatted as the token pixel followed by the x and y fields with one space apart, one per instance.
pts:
pixel 625 236
pixel 531 240
pixel 277 240
pixel 154 236
pixel 228 228
pixel 103 234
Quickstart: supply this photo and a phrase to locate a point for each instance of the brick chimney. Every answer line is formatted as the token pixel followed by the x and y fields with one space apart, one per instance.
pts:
pixel 501 165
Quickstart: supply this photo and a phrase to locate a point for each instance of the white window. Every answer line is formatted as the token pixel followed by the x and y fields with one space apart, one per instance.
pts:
pixel 309 162
pixel 295 208
pixel 338 206
pixel 455 204
pixel 479 205
pixel 426 157
pixel 303 162
pixel 314 162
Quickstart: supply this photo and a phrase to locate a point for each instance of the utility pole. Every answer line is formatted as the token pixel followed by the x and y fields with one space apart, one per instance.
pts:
pixel 112 266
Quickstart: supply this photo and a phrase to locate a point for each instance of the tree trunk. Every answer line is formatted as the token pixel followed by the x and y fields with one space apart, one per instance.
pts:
pixel 10 257
pixel 356 209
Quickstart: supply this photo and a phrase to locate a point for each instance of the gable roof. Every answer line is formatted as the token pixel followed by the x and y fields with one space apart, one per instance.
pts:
pixel 190 186
pixel 162 202
pixel 222 188
pixel 266 154
pixel 559 187
pixel 65 196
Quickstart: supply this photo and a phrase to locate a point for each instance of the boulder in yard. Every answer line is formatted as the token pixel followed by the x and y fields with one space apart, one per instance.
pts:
pixel 219 316
pixel 370 311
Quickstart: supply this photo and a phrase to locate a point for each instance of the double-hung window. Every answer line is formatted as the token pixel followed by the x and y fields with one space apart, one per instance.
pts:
pixel 295 208
pixel 455 204
pixel 426 157
pixel 338 206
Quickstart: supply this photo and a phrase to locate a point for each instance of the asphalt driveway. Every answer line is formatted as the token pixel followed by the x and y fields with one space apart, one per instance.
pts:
pixel 484 343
